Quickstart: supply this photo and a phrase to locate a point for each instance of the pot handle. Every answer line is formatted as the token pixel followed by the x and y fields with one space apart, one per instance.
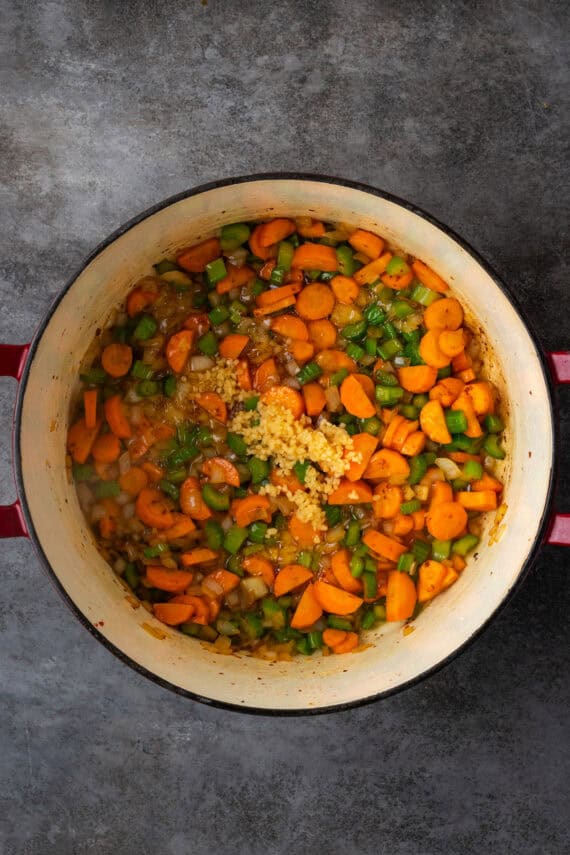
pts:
pixel 559 529
pixel 12 361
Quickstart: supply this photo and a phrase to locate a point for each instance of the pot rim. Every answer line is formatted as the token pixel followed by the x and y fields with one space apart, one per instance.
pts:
pixel 195 191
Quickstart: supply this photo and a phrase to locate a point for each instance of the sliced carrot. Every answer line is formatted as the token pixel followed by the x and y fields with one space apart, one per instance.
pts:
pixel 366 382
pixel 429 277
pixel 173 614
pixel 198 322
pixel 290 327
pixel 403 524
pixel 315 256
pixel 277 295
pixel 433 424
pixel 117 359
pixel 243 375
pixel 276 230
pixel 80 440
pixel 285 397
pixel 178 349
pixel 461 362
pixel 199 555
pixel 106 448
pixel 335 600
pixel 397 281
pixel 174 581
pixel 286 481
pixel 367 243
pixel 451 576
pixel 302 351
pixel 417 378
pixel 390 431
pixel 266 375
pixel 290 577
pixel 340 566
pixel 430 580
pixel 447 520
pixel 387 500
pixel 90 408
pixel 142 297
pixel 323 334
pixel 214 405
pixel 225 579
pixel 463 403
pixel 236 277
pixel 255 565
pixel 133 481
pixel 388 464
pixel 364 444
pixel 309 228
pixel 440 492
pixel 191 501
pixel 419 518
pixel 487 482
pixel 445 314
pixel 232 345
pixel 331 361
pixel 201 608
pixel 451 342
pixel 414 444
pixel 272 308
pixel 218 470
pixel 351 493
pixel 314 398
pixel 447 391
pixel 401 596
pixel 308 610
pixel 402 432
pixel 430 351
pixel 383 545
pixel 355 400
pixel 315 301
pixel 107 527
pixel 480 500
pixel 463 457
pixel 371 272
pixel 116 417
pixel 195 258
pixel 340 641
pixel 152 471
pixel 467 376
pixel 267 269
pixel 345 289
pixel 459 563
pixel 302 532
pixel 481 397
pixel 256 247
pixel 252 508
pixel 153 509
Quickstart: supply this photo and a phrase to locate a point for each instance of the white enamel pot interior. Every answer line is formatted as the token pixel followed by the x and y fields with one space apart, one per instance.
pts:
pixel 98 597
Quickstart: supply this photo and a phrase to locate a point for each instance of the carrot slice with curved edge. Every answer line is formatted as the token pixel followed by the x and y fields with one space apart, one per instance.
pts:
pixel 403 524
pixel 174 581
pixel 173 614
pixel 367 243
pixel 202 613
pixel 267 269
pixel 463 403
pixel 383 545
pixel 463 456
pixel 364 444
pixel 340 566
pixel 133 481
pixel 481 396
pixel 390 431
pixel 290 327
pixel 388 464
pixel 191 501
pixel 430 351
pixel 90 407
pixel 417 378
pixel 284 396
pixel 263 252
pixel 198 322
pixel 433 424
pixel 315 302
pixel 419 518
pixel 345 289
pixel 351 493
pixel 272 308
pixel 430 580
pixel 286 481
pixel 451 574
pixel 397 281
pixel 236 278
pixel 117 418
pixel 487 482
pixel 315 256
pixel 199 555
pixel 386 500
pixel 106 448
pixel 275 296
pixel 309 228
pixel 440 492
pixel 255 565
pixel 266 375
pixel 331 361
pixel 451 342
pixel 447 391
pixel 447 520
pixel 432 475
pixel 214 405
pixel 195 258
pixel 225 579
pixel 366 382
pixel 401 596
pixel 153 510
pixel 429 277
pixel 323 334
pixel 414 444
pixel 276 230
pixel 252 508
pixel 232 345
pixel 480 500
pixel 152 470
pixel 402 433
pixel 308 610
pixel 355 400
pixel 461 362
pixel 445 314
pixel 302 351
pixel 117 359
pixel 243 375
pixel 218 470
pixel 334 600
pixel 344 645
pixel 80 440
pixel 303 532
pixel 178 348
pixel 142 296
pixel 371 272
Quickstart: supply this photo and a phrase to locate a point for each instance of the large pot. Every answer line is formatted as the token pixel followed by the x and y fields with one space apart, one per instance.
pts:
pixel 48 511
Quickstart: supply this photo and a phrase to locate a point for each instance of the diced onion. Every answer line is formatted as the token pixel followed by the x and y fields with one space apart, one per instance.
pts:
pixel 237 256
pixel 124 463
pixel 200 363
pixel 255 587
pixel 131 396
pixel 292 368
pixel 212 587
pixel 123 499
pixel 227 523
pixel 98 512
pixel 450 469
pixel 232 599
pixel 292 383
pixel 85 496
pixel 119 566
pixel 128 511
pixel 335 535
pixel 333 399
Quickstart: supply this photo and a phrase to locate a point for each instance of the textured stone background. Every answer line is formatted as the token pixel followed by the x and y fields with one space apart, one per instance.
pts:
pixel 105 109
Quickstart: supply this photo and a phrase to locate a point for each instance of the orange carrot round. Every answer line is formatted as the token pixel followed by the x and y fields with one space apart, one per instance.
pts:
pixel 133 481
pixel 417 378
pixel 351 493
pixel 255 565
pixel 214 405
pixel 303 532
pixel 430 351
pixel 153 509
pixel 252 508
pixel 315 301
pixel 315 256
pixel 257 248
pixel 432 421
pixel 199 555
pixel 445 314
pixel 340 641
pixel 355 400
pixel 429 277
pixel 323 334
pixel 340 566
pixel 364 445
pixel 308 610
pixel 191 501
pixel 451 342
pixel 345 289
pixel 90 407
pixel 387 500
pixel 218 470
pixel 302 351
pixel 275 231
pixel 335 600
pixel 195 258
pixel 331 361
pixel 266 375
pixel 430 580
pixel 290 577
pixel 284 396
pixel 446 521
pixel 232 345
pixel 178 349
pixel 367 243
pixel 106 448
pixel 173 614
pixel 117 359
pixel 387 464
pixel 80 440
pixel 117 418
pixel 447 391
pixel 401 596
pixel 174 581
pixel 290 327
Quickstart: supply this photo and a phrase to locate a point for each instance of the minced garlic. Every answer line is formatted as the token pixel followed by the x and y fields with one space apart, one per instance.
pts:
pixel 221 378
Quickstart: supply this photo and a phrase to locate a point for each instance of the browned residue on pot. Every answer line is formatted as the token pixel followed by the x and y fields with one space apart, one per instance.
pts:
pixel 133 602
pixel 154 631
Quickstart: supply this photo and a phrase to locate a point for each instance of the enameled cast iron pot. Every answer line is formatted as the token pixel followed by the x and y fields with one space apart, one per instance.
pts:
pixel 48 512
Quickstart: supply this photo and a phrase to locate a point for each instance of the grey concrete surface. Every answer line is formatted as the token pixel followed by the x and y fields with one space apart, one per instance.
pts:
pixel 105 108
